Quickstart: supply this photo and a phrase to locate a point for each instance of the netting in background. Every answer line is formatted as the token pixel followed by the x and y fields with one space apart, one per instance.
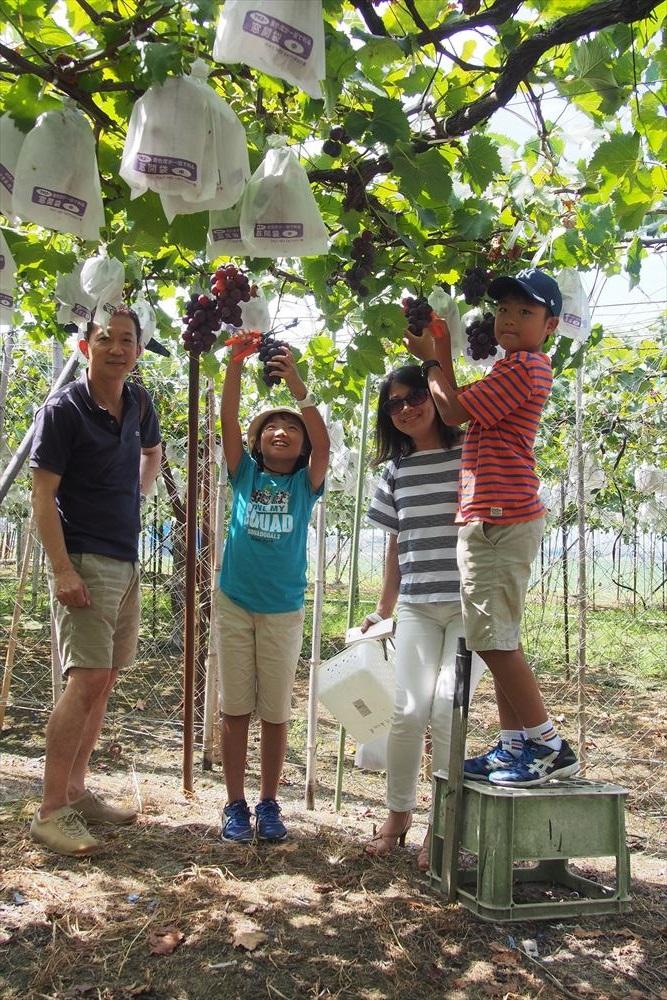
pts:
pixel 626 648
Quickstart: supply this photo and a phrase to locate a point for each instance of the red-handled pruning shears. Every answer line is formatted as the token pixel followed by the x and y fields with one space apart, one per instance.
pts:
pixel 251 338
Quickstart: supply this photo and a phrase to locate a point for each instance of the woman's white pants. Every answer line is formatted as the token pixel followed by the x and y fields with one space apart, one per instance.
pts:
pixel 426 639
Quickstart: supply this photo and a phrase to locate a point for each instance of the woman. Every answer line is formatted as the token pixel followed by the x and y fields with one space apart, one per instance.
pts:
pixel 416 504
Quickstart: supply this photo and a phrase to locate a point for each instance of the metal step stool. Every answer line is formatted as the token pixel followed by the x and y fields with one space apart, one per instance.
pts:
pixel 550 824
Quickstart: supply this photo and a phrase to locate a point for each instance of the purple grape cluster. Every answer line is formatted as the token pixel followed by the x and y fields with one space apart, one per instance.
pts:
pixel 201 323
pixel 419 314
pixel 474 284
pixel 269 347
pixel 481 339
pixel 363 255
pixel 231 287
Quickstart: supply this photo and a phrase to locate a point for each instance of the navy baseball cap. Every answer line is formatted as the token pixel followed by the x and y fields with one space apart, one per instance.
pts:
pixel 532 282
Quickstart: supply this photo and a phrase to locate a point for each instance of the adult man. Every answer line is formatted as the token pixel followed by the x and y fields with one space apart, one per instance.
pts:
pixel 96 451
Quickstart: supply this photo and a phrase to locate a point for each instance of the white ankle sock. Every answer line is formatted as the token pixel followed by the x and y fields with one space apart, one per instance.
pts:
pixel 512 741
pixel 545 734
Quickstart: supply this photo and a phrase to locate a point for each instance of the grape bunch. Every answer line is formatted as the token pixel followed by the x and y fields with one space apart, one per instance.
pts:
pixel 474 284
pixel 363 255
pixel 481 339
pixel 201 323
pixel 338 137
pixel 269 347
pixel 419 314
pixel 231 287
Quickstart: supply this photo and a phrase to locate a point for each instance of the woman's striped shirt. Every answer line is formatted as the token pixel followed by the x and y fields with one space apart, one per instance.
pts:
pixel 498 479
pixel 416 500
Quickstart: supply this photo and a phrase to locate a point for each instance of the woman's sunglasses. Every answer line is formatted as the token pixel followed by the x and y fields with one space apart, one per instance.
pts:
pixel 414 398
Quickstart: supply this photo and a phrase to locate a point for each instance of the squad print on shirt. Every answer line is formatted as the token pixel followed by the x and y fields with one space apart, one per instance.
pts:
pixel 264 565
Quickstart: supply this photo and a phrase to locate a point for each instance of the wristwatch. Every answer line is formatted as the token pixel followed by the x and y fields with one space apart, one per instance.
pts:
pixel 431 363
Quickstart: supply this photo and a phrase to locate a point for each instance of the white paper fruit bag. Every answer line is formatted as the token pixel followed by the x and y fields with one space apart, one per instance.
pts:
pixel 103 278
pixel 7 283
pixel 11 140
pixel 166 143
pixel 283 38
pixel 575 317
pixel 146 316
pixel 224 234
pixel 57 184
pixel 226 163
pixel 75 304
pixel 443 304
pixel 279 214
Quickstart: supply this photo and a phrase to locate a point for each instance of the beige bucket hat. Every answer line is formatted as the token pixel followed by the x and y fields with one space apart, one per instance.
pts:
pixel 258 420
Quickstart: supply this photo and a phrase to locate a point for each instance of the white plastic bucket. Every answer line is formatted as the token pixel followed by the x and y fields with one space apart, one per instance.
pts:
pixel 357 686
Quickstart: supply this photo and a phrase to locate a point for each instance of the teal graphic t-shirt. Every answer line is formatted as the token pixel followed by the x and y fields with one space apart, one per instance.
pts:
pixel 264 563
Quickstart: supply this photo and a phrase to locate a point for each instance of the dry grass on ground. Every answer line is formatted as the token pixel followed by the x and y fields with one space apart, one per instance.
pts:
pixel 312 918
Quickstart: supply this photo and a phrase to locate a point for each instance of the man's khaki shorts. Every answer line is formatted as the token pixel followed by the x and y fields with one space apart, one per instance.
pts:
pixel 104 635
pixel 494 563
pixel 258 656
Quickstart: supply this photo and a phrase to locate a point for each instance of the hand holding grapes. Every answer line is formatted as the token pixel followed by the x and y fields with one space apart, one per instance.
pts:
pixel 282 365
pixel 422 345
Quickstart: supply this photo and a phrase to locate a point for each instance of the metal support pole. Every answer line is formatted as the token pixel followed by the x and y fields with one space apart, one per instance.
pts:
pixel 354 567
pixel 581 599
pixel 212 690
pixel 318 601
pixel 190 573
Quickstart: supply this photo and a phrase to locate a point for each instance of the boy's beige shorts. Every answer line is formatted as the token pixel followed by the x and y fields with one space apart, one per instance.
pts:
pixel 494 562
pixel 258 656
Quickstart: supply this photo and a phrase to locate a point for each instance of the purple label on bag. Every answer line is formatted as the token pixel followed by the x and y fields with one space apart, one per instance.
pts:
pixel 571 319
pixel 80 310
pixel 165 166
pixel 285 36
pixel 6 178
pixel 6 300
pixel 62 202
pixel 2 261
pixel 279 230
pixel 227 233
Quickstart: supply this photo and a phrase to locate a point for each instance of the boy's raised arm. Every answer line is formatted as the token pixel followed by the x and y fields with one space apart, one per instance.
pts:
pixel 232 441
pixel 441 377
pixel 283 365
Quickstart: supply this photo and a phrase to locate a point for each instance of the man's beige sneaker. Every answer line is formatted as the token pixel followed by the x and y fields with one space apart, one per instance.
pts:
pixel 94 809
pixel 64 832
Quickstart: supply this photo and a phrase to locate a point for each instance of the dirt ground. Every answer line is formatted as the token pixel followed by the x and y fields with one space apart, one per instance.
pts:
pixel 169 911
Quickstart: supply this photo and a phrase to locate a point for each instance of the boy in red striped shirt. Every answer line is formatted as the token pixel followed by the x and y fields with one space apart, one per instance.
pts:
pixel 502 517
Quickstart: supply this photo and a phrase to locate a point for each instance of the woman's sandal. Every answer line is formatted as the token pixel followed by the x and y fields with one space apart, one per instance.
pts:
pixel 424 856
pixel 382 844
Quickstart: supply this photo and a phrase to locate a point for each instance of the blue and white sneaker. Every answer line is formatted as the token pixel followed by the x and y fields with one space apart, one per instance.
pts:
pixel 268 823
pixel 236 822
pixel 537 765
pixel 479 768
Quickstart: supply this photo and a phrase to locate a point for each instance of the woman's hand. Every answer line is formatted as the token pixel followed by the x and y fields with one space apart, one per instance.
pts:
pixel 369 620
pixel 284 366
pixel 422 347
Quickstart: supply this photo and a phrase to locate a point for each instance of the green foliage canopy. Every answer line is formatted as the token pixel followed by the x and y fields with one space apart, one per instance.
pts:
pixel 416 85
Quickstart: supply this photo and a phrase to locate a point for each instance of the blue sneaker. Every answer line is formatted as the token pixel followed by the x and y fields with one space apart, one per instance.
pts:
pixel 268 823
pixel 479 768
pixel 236 822
pixel 537 765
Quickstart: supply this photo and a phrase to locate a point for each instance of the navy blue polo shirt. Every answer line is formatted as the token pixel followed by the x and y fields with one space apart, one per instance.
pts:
pixel 98 460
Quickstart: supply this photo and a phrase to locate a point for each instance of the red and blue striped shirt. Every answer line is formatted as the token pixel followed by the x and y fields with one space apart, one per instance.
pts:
pixel 498 482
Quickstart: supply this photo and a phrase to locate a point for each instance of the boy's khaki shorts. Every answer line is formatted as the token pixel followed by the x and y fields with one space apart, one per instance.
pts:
pixel 494 563
pixel 104 635
pixel 258 657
